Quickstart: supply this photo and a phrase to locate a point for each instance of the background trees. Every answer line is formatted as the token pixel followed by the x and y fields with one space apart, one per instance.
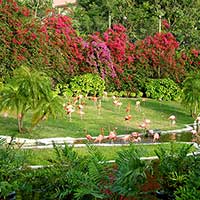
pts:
pixel 141 18
pixel 38 7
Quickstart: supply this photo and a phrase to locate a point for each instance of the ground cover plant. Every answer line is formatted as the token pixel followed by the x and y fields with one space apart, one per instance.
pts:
pixel 75 176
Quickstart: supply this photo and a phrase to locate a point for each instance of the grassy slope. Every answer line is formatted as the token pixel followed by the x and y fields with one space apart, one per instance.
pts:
pixel 110 117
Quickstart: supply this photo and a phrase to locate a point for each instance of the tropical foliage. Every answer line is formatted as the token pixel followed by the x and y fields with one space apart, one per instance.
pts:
pixel 162 89
pixel 29 91
pixel 141 18
pixel 191 93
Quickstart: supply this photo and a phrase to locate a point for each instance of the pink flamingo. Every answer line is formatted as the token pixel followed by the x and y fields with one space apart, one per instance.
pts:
pixel 136 137
pixel 100 137
pixel 80 111
pixel 127 117
pixel 112 135
pixel 137 106
pixel 126 138
pixel 143 125
pixel 69 109
pixel 88 137
pixel 117 103
pixel 194 132
pixel 99 107
pixel 128 108
pixel 94 99
pixel 156 137
pixel 172 118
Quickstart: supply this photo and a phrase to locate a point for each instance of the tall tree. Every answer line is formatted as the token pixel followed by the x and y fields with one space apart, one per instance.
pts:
pixel 142 18
pixel 39 7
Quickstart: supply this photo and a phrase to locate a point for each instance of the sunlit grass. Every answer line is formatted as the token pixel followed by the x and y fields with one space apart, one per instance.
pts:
pixel 46 156
pixel 110 117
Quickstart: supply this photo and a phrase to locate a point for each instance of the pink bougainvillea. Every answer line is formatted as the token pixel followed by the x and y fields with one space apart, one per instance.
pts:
pixel 158 54
pixel 165 24
pixel 67 45
pixel 98 56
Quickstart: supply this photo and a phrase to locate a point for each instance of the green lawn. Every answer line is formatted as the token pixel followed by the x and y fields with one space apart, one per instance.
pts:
pixel 110 117
pixel 45 156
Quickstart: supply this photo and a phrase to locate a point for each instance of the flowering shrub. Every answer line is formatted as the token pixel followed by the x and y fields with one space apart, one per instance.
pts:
pixel 18 36
pixel 191 60
pixel 98 56
pixel 53 45
pixel 157 56
pixel 122 52
pixel 64 44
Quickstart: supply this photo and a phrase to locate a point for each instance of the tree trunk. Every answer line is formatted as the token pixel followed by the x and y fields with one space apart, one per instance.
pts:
pixel 20 122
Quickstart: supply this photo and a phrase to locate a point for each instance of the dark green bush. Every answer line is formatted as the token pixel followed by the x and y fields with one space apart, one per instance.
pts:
pixel 11 160
pixel 164 89
pixel 173 168
pixel 191 189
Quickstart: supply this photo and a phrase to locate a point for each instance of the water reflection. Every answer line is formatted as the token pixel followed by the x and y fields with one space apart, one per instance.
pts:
pixel 179 137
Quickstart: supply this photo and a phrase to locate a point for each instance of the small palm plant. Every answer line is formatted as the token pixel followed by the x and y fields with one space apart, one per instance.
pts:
pixel 95 184
pixel 191 93
pixel 29 90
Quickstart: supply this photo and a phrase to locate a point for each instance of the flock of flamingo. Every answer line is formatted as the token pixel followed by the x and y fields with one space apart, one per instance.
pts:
pixel 112 135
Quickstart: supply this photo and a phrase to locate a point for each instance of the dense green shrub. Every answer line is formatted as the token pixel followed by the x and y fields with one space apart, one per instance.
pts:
pixel 63 90
pixel 130 173
pixel 173 168
pixel 87 84
pixel 164 89
pixel 11 160
pixel 191 189
pixel 122 94
pixel 191 93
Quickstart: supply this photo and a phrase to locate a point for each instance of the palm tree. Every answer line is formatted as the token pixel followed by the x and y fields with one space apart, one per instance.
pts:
pixel 29 90
pixel 191 93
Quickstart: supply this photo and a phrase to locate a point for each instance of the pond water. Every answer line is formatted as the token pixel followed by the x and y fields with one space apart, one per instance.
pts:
pixel 167 137
pixel 179 137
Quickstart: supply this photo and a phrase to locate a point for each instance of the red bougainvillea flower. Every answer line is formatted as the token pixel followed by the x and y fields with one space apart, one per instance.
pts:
pixel 165 23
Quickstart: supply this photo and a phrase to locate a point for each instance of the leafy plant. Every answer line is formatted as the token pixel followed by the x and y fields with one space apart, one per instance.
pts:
pixel 96 183
pixel 191 93
pixel 173 167
pixel 11 161
pixel 58 181
pixel 87 84
pixel 130 173
pixel 191 188
pixel 29 90
pixel 165 89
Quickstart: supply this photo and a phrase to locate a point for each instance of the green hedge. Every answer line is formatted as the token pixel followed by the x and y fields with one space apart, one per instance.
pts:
pixel 86 84
pixel 164 89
